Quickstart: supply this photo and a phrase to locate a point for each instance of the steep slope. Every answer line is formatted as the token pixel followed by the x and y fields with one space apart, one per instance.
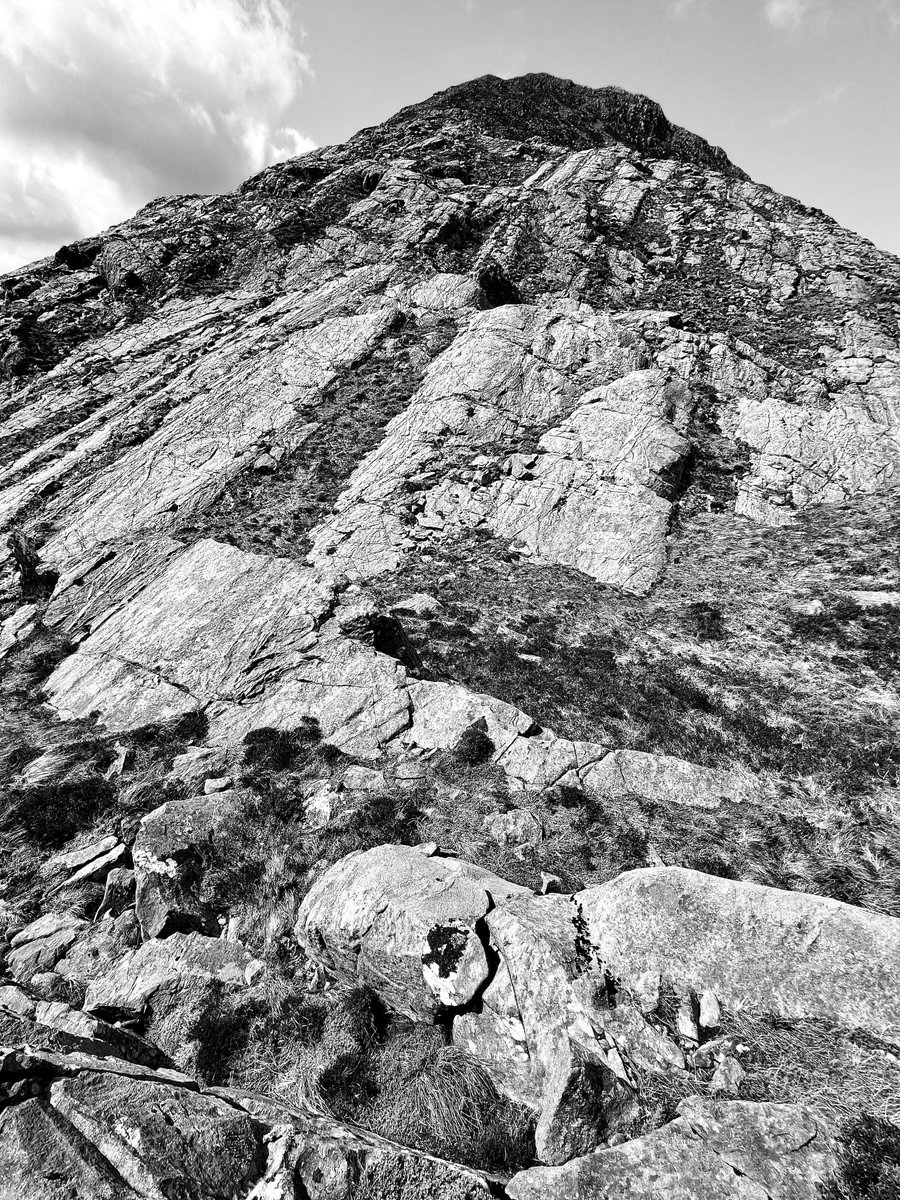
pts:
pixel 518 477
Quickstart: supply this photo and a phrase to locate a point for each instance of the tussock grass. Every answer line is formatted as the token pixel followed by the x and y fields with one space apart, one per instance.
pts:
pixel 344 1055
pixel 868 1161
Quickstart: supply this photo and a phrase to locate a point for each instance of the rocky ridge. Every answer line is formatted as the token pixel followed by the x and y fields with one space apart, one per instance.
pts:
pixel 402 548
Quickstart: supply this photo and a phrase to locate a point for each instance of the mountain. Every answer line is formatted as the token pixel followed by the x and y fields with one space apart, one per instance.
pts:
pixel 450 646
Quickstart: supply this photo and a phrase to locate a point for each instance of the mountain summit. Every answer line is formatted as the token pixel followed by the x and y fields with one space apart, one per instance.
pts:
pixel 449 657
pixel 561 113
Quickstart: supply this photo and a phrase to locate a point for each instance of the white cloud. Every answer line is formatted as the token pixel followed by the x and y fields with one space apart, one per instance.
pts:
pixel 105 104
pixel 788 14
pixel 791 14
pixel 826 99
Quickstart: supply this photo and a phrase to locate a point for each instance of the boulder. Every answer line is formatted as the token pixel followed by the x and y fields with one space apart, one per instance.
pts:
pixel 786 953
pixel 153 1134
pixel 39 946
pixel 44 1157
pixel 583 1103
pixel 130 985
pixel 171 851
pixel 169 986
pixel 118 893
pixel 727 1150
pixel 362 779
pixel 404 923
pixel 96 868
pixel 99 947
pixel 540 1028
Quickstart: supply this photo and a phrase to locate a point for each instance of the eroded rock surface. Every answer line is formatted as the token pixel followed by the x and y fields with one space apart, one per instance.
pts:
pixel 251 446
pixel 787 953
pixel 724 1151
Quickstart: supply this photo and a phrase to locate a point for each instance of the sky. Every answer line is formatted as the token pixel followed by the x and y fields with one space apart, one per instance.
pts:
pixel 106 104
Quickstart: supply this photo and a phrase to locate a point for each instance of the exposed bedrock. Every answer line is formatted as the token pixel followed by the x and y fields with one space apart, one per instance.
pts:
pixel 255 642
pixel 555 994
pixel 729 1150
pixel 528 453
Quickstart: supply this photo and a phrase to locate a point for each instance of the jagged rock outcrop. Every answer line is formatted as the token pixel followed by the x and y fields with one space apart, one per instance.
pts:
pixel 517 480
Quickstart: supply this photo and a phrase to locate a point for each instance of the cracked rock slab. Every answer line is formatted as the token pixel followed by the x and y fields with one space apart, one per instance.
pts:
pixel 730 1150
pixel 245 639
pixel 150 1131
pixel 761 948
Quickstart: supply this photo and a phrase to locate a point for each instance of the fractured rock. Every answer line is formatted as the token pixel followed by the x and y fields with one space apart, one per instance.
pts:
pixel 44 1157
pixel 42 944
pixel 174 845
pixel 405 924
pixel 713 1151
pixel 149 1131
pixel 785 953
pixel 130 985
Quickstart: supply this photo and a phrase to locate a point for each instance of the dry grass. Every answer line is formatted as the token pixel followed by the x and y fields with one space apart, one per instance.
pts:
pixel 343 1055
pixel 809 1062
pixel 716 665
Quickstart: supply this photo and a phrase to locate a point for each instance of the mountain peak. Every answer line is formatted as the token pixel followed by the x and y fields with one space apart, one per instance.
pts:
pixel 565 113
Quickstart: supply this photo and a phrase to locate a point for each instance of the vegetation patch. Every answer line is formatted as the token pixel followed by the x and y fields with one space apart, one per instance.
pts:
pixel 720 665
pixel 272 508
pixel 345 1055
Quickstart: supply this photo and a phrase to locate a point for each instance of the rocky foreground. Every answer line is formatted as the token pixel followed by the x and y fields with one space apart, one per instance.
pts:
pixel 449 679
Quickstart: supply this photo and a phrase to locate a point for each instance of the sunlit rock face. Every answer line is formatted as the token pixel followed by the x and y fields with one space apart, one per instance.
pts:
pixel 448 676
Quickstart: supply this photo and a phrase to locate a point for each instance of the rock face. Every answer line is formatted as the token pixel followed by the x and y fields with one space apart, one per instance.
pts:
pixel 518 481
pixel 405 924
pixel 724 1151
pixel 785 953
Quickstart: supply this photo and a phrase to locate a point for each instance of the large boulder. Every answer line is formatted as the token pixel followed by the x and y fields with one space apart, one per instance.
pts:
pixel 432 934
pixel 755 947
pixel 730 1150
pixel 405 924
pixel 539 1032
